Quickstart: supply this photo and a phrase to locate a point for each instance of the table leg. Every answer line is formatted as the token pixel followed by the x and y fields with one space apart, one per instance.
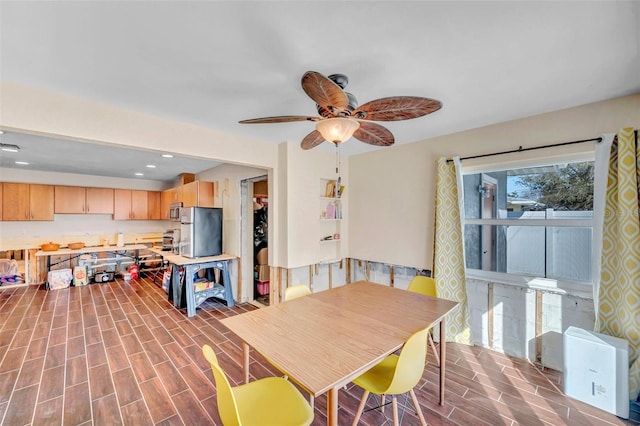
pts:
pixel 443 351
pixel 332 407
pixel 175 284
pixel 245 361
pixel 189 270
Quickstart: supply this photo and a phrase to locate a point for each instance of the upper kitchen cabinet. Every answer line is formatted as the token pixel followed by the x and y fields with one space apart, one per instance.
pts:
pixel 78 199
pixel 155 212
pixel 168 197
pixel 197 194
pixel 24 201
pixel 131 204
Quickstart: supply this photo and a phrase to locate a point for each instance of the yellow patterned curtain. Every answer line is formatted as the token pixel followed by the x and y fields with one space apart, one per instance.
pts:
pixel 619 289
pixel 448 253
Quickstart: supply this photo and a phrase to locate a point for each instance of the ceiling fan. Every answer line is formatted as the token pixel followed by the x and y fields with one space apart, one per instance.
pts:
pixel 341 117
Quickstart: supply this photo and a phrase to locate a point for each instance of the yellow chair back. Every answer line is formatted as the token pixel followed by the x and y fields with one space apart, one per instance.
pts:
pixel 423 285
pixel 296 291
pixel 227 407
pixel 410 366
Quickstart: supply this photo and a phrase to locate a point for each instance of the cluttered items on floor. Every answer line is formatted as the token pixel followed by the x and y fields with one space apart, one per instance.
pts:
pixel 9 273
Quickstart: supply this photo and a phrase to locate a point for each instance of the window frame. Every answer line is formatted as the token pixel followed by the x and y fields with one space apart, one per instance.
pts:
pixel 576 288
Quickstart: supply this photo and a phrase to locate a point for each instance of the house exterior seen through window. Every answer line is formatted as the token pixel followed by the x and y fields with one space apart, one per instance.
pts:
pixel 534 221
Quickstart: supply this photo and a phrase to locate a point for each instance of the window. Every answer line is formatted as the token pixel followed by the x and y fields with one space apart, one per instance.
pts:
pixel 535 221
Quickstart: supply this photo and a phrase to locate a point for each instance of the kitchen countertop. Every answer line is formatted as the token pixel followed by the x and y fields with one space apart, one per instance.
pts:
pixel 96 249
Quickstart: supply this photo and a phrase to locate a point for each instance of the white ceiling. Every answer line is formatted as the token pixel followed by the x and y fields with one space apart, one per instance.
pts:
pixel 214 63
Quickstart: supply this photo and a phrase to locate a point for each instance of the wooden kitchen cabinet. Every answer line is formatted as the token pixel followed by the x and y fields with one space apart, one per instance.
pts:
pixel 24 201
pixel 99 200
pixel 197 194
pixel 131 204
pixel 155 212
pixel 78 199
pixel 168 197
pixel 69 199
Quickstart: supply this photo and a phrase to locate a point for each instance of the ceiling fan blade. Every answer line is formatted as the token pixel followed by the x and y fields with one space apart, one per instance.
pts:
pixel 374 134
pixel 280 119
pixel 313 139
pixel 324 92
pixel 396 108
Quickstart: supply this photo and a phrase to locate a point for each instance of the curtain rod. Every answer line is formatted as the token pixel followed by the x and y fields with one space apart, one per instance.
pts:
pixel 521 149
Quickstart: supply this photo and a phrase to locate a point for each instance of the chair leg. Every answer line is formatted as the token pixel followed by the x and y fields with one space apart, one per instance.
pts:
pixel 394 405
pixel 356 419
pixel 433 346
pixel 312 401
pixel 382 398
pixel 418 409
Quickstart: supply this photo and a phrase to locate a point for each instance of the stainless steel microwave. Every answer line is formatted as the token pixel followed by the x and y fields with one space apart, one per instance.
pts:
pixel 174 211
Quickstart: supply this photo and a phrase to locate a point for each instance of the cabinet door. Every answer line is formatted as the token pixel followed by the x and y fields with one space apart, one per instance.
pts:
pixel 15 201
pixel 1 186
pixel 99 201
pixel 166 198
pixel 205 194
pixel 69 199
pixel 190 194
pixel 139 205
pixel 153 197
pixel 41 202
pixel 122 204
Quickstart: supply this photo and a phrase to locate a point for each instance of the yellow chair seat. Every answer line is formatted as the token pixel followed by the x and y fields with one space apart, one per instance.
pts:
pixel 296 291
pixel 268 401
pixel 274 400
pixel 396 375
pixel 378 379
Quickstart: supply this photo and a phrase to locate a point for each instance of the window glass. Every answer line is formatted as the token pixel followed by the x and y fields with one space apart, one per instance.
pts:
pixel 534 221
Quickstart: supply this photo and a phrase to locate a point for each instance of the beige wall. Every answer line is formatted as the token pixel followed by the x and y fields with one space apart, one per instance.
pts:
pixel 392 190
pixel 305 170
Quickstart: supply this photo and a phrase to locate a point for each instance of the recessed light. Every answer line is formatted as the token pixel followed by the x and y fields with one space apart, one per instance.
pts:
pixel 139 174
pixel 23 163
pixel 151 166
pixel 1 132
pixel 167 155
pixel 9 147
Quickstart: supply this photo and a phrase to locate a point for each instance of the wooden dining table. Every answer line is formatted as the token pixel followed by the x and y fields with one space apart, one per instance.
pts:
pixel 325 340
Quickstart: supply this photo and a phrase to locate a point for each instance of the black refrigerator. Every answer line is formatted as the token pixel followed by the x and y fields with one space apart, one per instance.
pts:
pixel 200 231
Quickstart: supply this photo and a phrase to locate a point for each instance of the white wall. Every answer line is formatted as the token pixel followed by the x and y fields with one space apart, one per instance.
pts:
pixel 304 186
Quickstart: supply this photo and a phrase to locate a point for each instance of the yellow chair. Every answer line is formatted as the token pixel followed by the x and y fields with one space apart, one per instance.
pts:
pixel 426 286
pixel 296 291
pixel 272 400
pixel 395 375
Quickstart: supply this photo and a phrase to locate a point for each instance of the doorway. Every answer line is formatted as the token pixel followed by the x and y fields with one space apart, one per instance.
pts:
pixel 255 244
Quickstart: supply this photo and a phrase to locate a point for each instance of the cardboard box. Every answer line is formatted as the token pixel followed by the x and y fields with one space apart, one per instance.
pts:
pixel 263 273
pixel 185 178
pixel 263 256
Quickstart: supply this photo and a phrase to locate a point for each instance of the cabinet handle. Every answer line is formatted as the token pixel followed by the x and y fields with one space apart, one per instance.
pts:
pixel 31 214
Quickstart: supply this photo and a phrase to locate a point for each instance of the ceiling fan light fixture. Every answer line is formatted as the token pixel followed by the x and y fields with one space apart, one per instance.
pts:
pixel 337 130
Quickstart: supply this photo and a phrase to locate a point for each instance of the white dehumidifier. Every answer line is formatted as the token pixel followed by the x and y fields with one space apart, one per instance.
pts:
pixel 596 370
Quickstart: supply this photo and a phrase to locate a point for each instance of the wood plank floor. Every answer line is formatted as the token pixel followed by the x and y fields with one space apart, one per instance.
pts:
pixel 119 353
